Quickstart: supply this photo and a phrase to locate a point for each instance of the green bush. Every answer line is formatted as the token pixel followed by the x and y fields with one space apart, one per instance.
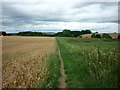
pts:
pixel 95 36
pixel 98 36
pixel 106 36
pixel 118 37
pixel 69 33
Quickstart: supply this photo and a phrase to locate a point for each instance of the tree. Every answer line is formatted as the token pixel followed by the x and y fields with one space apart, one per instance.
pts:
pixel 3 33
pixel 69 33
pixel 98 36
pixel 59 34
pixel 118 37
pixel 106 36
pixel 66 33
pixel 93 35
pixel 30 33
pixel 75 33
pixel 86 32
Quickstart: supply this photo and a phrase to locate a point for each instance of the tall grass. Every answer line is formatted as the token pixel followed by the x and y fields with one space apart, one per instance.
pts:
pixel 53 66
pixel 90 63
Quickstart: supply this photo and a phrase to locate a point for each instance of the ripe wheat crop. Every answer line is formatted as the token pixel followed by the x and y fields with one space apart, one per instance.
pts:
pixel 24 60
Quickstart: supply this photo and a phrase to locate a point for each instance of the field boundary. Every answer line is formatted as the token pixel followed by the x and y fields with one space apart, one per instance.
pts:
pixel 62 79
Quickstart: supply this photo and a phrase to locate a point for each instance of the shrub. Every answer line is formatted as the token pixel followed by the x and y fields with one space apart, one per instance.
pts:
pixel 98 36
pixel 93 35
pixel 106 36
pixel 118 37
pixel 3 33
pixel 80 36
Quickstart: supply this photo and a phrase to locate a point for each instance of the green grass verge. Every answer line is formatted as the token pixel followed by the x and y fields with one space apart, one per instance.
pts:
pixel 54 69
pixel 53 65
pixel 90 63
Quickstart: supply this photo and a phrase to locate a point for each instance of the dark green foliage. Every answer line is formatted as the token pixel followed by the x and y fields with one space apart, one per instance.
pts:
pixel 30 33
pixel 118 37
pixel 68 33
pixel 59 34
pixel 3 33
pixel 95 35
pixel 98 36
pixel 7 34
pixel 106 36
pixel 75 33
pixel 86 32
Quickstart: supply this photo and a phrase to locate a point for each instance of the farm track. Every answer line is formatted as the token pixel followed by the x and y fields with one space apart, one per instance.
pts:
pixel 62 79
pixel 24 61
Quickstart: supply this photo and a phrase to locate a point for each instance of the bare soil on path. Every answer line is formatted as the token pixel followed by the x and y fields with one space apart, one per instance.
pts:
pixel 62 79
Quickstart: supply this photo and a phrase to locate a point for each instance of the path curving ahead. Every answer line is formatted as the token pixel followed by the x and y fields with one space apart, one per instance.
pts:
pixel 63 76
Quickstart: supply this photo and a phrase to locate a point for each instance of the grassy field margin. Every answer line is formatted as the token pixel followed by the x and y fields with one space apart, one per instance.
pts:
pixel 53 74
pixel 90 63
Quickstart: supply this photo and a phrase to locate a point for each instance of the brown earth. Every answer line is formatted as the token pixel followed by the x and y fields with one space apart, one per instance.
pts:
pixel 113 35
pixel 62 79
pixel 24 60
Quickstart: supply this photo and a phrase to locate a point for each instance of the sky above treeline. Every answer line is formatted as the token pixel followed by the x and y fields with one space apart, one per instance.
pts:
pixel 56 15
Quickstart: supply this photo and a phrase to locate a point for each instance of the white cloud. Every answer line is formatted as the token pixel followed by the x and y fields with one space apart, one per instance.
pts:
pixel 56 15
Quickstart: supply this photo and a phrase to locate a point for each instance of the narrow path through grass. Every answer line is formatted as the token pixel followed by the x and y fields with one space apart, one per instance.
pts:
pixel 90 63
pixel 62 79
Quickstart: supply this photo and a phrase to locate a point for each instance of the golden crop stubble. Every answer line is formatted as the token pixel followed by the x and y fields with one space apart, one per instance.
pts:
pixel 24 60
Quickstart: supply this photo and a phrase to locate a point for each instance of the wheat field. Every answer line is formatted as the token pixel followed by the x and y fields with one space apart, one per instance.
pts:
pixel 24 60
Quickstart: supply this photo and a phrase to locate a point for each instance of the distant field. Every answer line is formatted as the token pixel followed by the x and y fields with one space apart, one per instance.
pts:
pixel 90 62
pixel 113 35
pixel 25 60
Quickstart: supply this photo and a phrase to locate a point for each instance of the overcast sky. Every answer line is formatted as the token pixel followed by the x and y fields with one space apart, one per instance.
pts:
pixel 54 16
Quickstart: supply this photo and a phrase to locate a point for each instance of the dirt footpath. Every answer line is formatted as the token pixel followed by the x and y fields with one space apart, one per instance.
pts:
pixel 62 79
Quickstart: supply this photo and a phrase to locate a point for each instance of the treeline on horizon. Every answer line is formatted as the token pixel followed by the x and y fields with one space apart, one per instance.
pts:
pixel 64 33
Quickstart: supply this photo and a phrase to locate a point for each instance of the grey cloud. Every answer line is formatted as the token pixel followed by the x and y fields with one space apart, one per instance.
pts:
pixel 21 14
pixel 102 4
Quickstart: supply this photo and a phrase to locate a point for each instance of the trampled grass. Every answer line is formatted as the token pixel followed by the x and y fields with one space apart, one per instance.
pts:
pixel 90 63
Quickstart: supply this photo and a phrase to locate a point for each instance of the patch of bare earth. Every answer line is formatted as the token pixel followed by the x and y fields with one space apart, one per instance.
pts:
pixel 25 60
pixel 62 79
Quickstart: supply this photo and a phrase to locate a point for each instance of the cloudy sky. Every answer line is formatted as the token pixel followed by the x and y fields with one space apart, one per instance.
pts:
pixel 56 15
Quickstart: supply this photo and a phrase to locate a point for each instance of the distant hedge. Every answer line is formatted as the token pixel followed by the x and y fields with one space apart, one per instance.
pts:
pixel 69 33
pixel 30 33
pixel 95 36
pixel 3 33
pixel 106 36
